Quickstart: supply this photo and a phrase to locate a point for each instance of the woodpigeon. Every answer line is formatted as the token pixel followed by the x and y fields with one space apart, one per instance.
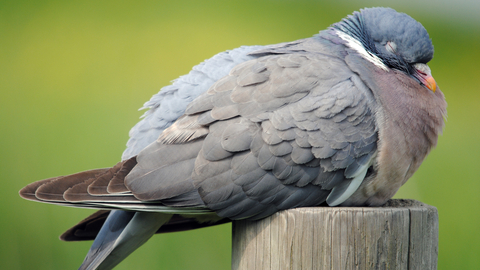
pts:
pixel 343 118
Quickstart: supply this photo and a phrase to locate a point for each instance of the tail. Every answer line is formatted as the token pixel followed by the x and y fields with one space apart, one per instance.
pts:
pixel 120 235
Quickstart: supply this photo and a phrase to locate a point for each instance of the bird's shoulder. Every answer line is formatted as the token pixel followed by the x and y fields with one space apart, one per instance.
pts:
pixel 166 106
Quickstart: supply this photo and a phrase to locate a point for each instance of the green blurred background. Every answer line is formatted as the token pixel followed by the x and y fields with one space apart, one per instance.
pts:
pixel 74 73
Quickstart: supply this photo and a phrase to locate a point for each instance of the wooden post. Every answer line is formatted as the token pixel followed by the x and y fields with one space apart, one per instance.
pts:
pixel 403 234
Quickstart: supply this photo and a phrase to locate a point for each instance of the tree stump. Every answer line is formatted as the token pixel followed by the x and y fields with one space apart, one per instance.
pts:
pixel 403 234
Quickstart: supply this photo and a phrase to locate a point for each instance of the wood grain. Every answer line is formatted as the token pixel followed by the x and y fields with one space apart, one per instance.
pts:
pixel 403 234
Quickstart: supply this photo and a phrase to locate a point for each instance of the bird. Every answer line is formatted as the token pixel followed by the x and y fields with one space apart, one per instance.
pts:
pixel 343 118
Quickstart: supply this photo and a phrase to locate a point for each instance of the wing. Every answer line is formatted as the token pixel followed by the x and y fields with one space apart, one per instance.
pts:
pixel 99 189
pixel 278 132
pixel 170 103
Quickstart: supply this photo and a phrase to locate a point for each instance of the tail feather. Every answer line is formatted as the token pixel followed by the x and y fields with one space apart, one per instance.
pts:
pixel 88 228
pixel 122 233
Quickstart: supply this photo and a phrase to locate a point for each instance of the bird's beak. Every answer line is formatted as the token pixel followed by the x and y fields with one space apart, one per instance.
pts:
pixel 430 83
pixel 424 75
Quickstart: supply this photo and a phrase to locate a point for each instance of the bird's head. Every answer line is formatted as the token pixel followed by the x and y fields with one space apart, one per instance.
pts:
pixel 390 40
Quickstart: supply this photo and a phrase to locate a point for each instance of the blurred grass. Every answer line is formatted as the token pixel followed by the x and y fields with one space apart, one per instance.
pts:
pixel 73 75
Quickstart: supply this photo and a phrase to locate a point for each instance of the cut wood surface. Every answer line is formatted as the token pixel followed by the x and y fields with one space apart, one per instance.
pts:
pixel 403 234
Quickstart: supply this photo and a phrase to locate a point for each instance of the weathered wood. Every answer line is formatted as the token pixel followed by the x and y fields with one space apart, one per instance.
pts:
pixel 403 234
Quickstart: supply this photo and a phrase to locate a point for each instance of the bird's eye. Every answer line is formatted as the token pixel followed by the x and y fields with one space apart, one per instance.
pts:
pixel 391 47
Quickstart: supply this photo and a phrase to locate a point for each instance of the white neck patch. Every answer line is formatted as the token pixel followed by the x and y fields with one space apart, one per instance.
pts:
pixel 358 47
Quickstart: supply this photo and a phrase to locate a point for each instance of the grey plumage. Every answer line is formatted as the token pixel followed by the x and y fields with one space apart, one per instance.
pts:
pixel 169 104
pixel 342 118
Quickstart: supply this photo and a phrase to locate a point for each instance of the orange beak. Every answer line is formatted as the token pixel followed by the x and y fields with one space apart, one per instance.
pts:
pixel 430 83
pixel 425 77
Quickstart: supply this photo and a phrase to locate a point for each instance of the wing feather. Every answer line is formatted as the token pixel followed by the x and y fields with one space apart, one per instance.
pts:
pixel 278 132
